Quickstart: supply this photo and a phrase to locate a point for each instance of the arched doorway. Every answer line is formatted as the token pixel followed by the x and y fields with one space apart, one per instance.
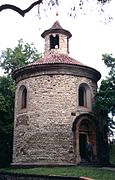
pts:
pixel 84 131
pixel 82 145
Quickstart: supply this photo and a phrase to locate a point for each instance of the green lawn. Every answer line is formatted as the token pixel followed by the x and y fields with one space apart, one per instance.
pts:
pixel 94 173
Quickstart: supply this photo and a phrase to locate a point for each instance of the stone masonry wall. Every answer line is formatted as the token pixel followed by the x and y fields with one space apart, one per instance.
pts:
pixel 43 131
pixel 63 43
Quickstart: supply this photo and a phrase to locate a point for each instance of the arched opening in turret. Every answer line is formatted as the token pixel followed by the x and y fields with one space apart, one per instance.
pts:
pixel 54 41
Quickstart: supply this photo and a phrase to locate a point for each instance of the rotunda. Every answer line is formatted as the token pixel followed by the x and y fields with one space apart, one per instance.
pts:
pixel 53 106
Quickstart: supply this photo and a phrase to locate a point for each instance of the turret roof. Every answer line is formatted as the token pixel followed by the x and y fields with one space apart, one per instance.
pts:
pixel 56 25
pixel 56 28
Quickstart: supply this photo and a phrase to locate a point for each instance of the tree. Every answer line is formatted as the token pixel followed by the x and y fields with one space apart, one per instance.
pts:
pixel 105 98
pixel 17 9
pixel 104 109
pixel 21 55
pixel 48 3
pixel 7 90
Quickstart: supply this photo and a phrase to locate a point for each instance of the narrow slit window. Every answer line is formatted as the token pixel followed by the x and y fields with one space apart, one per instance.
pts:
pixel 24 98
pixel 68 45
pixel 82 96
pixel 54 42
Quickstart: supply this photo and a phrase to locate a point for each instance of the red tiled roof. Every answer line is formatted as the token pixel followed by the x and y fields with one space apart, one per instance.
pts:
pixel 56 58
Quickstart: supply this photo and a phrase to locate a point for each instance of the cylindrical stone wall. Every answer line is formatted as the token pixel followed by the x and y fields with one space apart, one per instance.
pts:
pixel 43 130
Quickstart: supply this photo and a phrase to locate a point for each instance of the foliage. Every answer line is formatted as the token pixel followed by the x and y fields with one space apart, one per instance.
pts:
pixel 112 153
pixel 21 55
pixel 94 173
pixel 110 63
pixel 7 89
pixel 105 98
pixel 104 1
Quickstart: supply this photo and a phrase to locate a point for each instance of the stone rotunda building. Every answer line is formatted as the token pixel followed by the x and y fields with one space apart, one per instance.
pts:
pixel 53 106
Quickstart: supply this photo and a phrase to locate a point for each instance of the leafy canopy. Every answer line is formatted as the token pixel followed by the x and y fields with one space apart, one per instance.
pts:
pixel 105 98
pixel 21 55
pixel 7 91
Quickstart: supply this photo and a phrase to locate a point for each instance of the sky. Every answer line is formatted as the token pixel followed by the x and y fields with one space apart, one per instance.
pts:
pixel 92 36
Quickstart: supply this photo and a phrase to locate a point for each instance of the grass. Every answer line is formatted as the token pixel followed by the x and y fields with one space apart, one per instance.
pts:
pixel 94 173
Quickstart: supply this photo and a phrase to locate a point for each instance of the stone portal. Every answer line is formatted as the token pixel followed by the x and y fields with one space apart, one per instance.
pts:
pixel 84 130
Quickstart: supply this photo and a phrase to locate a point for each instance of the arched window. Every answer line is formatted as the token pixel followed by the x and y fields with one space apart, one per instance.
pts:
pixel 54 42
pixel 23 97
pixel 82 96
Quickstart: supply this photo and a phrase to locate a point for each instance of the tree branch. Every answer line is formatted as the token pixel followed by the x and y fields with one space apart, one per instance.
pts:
pixel 17 9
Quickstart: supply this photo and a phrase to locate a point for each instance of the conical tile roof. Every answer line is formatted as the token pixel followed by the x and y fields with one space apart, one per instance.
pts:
pixel 56 28
pixel 53 58
pixel 56 25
